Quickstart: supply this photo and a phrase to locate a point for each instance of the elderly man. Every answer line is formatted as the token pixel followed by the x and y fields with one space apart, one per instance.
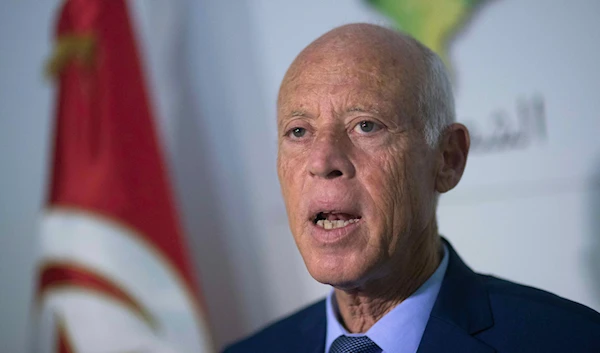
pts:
pixel 367 142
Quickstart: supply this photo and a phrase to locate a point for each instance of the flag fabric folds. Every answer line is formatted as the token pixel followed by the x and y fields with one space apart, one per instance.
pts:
pixel 114 275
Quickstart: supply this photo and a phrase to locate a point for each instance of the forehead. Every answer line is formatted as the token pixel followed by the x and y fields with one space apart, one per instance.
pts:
pixel 310 98
pixel 352 79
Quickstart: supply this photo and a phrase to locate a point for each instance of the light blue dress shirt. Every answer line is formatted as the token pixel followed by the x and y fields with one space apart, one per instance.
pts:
pixel 400 330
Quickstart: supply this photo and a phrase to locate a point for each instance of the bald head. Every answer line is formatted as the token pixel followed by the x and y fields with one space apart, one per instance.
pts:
pixel 401 67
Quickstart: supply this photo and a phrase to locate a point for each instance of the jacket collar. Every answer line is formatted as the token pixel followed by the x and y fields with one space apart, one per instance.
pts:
pixel 461 310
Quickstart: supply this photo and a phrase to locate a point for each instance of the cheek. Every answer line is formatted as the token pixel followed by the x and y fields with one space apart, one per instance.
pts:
pixel 385 181
pixel 289 171
pixel 390 187
pixel 421 183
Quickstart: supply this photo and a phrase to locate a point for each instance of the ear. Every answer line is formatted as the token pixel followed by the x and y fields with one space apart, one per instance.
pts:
pixel 453 150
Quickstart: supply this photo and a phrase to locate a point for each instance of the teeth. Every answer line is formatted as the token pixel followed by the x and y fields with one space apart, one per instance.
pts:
pixel 327 224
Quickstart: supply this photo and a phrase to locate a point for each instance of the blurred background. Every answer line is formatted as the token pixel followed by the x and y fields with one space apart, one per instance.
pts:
pixel 527 84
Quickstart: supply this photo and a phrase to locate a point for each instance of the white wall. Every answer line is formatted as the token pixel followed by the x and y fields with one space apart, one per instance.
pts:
pixel 531 215
pixel 25 100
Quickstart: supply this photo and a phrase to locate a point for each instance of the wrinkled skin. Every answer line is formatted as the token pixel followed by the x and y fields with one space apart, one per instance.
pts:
pixel 349 140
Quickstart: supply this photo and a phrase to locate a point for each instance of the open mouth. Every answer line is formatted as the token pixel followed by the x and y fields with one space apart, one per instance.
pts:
pixel 334 220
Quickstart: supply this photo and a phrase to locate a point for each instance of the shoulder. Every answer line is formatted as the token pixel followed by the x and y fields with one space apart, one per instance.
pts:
pixel 540 316
pixel 506 294
pixel 284 332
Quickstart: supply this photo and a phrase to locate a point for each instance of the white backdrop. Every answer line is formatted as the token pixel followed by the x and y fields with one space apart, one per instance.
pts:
pixel 527 210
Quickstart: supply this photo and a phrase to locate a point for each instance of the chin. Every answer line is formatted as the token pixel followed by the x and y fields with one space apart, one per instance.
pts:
pixel 338 271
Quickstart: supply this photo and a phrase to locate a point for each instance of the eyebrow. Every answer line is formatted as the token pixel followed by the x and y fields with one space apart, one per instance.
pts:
pixel 353 109
pixel 297 113
pixel 361 109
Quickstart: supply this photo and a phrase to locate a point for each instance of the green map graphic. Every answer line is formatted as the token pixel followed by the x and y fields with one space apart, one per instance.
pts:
pixel 433 22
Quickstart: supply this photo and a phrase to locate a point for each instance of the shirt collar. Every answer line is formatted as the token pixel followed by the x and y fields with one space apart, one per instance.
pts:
pixel 400 330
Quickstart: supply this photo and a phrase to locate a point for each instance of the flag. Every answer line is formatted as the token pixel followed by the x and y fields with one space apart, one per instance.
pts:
pixel 113 272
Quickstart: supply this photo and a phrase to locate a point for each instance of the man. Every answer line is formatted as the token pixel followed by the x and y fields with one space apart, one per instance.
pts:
pixel 367 142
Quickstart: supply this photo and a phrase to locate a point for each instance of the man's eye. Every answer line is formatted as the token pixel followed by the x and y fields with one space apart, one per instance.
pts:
pixel 297 132
pixel 366 127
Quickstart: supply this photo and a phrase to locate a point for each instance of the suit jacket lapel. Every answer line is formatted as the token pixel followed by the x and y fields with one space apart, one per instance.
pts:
pixel 461 310
pixel 313 330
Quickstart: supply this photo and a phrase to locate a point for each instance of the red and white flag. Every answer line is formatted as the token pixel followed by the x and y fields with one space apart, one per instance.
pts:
pixel 114 275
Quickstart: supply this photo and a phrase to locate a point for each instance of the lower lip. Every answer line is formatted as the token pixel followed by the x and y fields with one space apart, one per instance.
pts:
pixel 332 236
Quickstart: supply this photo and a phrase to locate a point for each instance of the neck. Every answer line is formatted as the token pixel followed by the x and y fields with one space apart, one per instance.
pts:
pixel 360 308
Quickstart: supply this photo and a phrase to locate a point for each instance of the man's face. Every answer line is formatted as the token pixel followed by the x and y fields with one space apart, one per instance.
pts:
pixel 356 173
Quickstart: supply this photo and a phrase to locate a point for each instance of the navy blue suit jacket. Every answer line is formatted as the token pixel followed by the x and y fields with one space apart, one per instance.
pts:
pixel 473 313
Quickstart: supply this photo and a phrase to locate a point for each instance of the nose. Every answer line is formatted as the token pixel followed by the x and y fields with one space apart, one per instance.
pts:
pixel 329 157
